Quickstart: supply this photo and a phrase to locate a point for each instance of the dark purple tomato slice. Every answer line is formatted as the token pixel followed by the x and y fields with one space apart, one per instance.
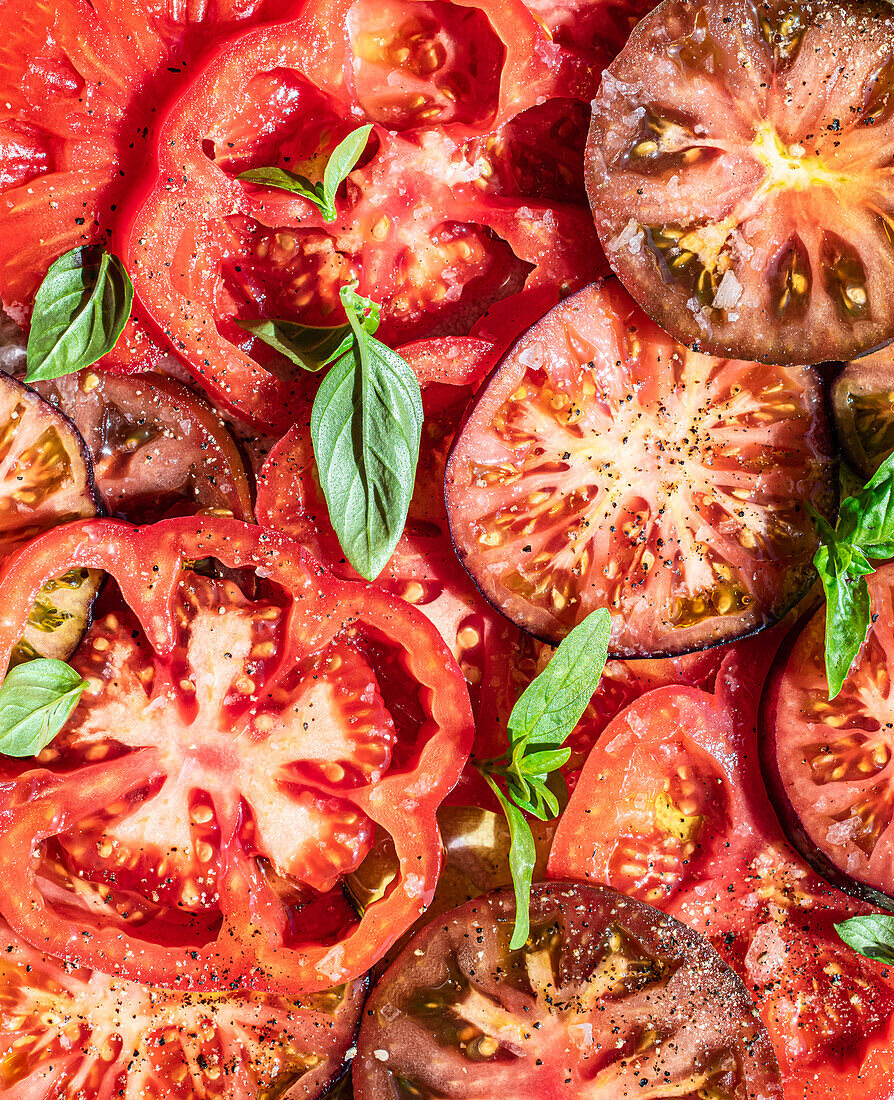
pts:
pixel 830 764
pixel 605 465
pixel 741 185
pixel 45 479
pixel 863 404
pixel 158 449
pixel 608 997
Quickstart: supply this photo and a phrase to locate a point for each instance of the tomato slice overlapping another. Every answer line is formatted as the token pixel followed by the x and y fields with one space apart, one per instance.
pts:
pixel 230 761
pixel 671 808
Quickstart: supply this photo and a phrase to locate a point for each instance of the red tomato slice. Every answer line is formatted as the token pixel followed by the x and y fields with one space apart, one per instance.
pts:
pixel 670 808
pixel 158 449
pixel 229 763
pixel 82 84
pixel 608 997
pixel 741 187
pixel 74 1034
pixel 829 762
pixel 605 465
pixel 419 225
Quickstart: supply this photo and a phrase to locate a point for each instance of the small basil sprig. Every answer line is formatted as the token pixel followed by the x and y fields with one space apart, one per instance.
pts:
pixel 545 714
pixel 80 310
pixel 864 533
pixel 343 159
pixel 872 936
pixel 36 700
pixel 366 424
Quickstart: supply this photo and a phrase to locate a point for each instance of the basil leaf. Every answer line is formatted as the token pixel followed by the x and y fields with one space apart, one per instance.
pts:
pixel 341 161
pixel 80 310
pixel 843 575
pixel 284 180
pixel 869 517
pixel 872 936
pixel 366 425
pixel 36 700
pixel 541 763
pixel 522 857
pixel 552 704
pixel 307 346
pixel 344 156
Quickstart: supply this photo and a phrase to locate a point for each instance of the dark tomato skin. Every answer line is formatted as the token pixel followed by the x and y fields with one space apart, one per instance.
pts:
pixel 687 824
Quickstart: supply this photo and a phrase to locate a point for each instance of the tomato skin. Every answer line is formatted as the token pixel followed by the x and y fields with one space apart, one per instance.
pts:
pixel 742 885
pixel 40 804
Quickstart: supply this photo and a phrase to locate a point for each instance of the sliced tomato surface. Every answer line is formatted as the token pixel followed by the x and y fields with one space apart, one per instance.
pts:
pixel 605 465
pixel 427 223
pixel 863 403
pixel 606 994
pixel 671 808
pixel 45 479
pixel 829 761
pixel 230 761
pixel 742 190
pixel 83 84
pixel 75 1034
pixel 156 446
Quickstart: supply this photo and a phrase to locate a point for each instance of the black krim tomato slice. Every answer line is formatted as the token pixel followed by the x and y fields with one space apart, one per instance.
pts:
pixel 741 188
pixel 863 404
pixel 435 224
pixel 82 84
pixel 157 447
pixel 829 763
pixel 607 997
pixel 74 1034
pixel 231 760
pixel 606 465
pixel 671 808
pixel 47 479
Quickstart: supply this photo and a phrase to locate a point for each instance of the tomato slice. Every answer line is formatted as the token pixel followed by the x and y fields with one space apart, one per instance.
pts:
pixel 828 762
pixel 671 808
pixel 605 465
pixel 419 225
pixel 863 403
pixel 749 214
pixel 607 996
pixel 82 84
pixel 229 763
pixel 157 447
pixel 76 1034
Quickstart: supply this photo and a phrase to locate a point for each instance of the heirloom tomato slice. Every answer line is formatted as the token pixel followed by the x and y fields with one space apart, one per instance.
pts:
pixel 82 86
pixel 863 403
pixel 741 188
pixel 829 762
pixel 418 225
pixel 157 447
pixel 608 996
pixel 75 1034
pixel 231 760
pixel 670 808
pixel 606 465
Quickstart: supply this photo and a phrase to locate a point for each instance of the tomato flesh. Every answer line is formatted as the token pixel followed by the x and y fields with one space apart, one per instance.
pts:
pixel 593 1002
pixel 829 762
pixel 740 188
pixel 230 762
pixel 605 465
pixel 863 403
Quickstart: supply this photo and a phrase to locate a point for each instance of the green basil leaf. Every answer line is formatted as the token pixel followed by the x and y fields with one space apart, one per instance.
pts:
pixel 80 310
pixel 285 180
pixel 872 936
pixel 366 425
pixel 847 622
pixel 344 156
pixel 522 857
pixel 552 704
pixel 307 346
pixel 36 699
pixel 541 763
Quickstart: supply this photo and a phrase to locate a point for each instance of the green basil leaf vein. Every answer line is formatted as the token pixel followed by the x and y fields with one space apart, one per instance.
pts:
pixel 36 700
pixel 80 310
pixel 871 935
